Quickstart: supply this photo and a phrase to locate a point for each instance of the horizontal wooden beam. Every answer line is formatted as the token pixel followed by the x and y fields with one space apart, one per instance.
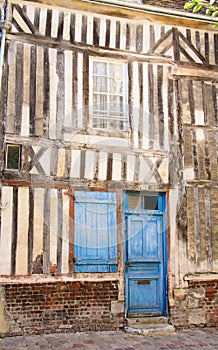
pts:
pixel 93 51
pixel 196 74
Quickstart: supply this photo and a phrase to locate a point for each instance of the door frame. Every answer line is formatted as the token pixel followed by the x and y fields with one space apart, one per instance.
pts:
pixel 163 197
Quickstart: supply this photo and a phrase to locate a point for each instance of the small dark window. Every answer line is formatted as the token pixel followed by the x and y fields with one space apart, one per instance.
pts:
pixel 148 201
pixel 13 157
pixel 151 202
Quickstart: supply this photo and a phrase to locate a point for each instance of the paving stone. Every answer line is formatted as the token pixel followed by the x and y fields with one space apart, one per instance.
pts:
pixel 205 339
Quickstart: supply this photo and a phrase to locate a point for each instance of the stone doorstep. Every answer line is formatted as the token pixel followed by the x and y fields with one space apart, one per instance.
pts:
pixel 147 320
pixel 148 326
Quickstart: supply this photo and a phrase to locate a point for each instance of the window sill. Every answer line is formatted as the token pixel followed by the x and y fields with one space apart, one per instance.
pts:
pixel 74 277
pixel 202 276
pixel 100 132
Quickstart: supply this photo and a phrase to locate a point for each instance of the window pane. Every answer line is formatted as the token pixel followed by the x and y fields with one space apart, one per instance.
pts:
pixel 99 68
pixel 116 70
pixel 100 84
pixel 13 157
pixel 116 86
pixel 116 104
pixel 151 202
pixel 134 202
pixel 100 104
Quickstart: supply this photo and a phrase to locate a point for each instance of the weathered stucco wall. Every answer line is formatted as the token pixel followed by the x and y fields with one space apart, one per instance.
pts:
pixel 196 305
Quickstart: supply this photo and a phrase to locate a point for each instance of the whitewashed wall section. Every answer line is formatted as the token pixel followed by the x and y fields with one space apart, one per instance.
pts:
pixel 35 223
pixel 101 165
pixel 107 31
pixel 46 95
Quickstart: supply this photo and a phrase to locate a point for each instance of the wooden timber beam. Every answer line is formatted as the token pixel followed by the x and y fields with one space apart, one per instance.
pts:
pixel 91 50
pixel 126 11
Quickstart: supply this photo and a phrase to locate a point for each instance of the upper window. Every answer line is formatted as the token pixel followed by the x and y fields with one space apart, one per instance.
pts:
pixel 108 95
pixel 13 153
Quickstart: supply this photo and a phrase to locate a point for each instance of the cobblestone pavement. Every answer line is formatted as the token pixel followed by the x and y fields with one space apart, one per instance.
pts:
pixel 198 338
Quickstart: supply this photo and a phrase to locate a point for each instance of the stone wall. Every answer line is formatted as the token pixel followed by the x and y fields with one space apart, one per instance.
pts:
pixel 196 305
pixel 36 308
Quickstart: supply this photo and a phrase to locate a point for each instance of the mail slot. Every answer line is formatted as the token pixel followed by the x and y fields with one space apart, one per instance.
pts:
pixel 143 282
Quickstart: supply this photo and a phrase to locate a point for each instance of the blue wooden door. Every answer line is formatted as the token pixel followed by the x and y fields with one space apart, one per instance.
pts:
pixel 145 273
pixel 95 231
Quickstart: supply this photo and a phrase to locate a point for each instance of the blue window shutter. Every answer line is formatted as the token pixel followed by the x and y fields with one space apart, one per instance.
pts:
pixel 95 227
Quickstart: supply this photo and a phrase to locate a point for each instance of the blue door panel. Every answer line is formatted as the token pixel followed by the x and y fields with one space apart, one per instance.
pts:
pixel 144 238
pixel 144 293
pixel 144 287
pixel 145 270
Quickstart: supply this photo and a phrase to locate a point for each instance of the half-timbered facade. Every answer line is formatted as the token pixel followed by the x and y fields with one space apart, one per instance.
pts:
pixel 109 168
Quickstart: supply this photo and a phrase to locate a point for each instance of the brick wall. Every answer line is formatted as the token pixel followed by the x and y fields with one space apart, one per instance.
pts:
pixel 211 299
pixel 61 307
pixel 197 305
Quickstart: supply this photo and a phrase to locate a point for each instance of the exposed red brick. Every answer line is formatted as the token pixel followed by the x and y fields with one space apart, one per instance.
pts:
pixel 61 306
pixel 180 311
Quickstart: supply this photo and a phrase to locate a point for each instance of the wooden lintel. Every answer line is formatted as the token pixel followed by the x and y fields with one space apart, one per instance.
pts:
pixel 31 184
pixel 196 72
pixel 99 185
pixel 202 183
pixel 198 126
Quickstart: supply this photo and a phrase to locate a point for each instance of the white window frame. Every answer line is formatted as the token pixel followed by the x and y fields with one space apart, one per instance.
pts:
pixel 108 122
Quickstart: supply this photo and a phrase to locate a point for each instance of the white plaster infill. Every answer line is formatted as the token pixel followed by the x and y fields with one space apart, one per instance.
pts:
pixel 4 324
pixel 201 277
